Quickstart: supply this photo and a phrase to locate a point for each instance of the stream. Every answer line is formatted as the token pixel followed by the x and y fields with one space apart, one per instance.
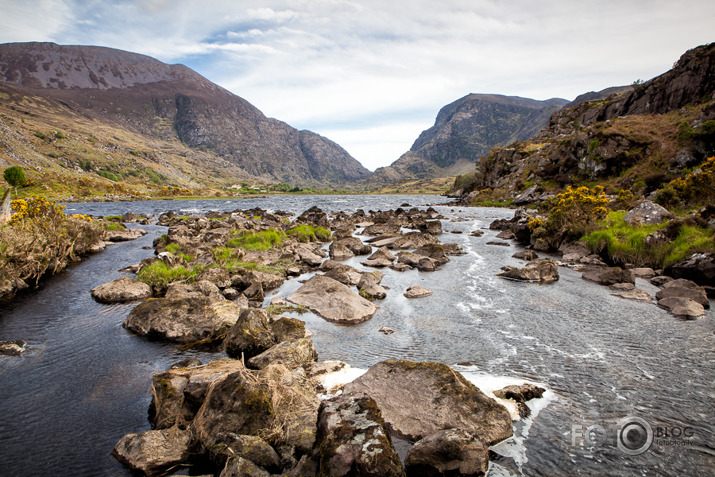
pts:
pixel 83 383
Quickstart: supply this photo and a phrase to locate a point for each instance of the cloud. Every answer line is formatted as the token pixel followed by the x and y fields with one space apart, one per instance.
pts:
pixel 372 74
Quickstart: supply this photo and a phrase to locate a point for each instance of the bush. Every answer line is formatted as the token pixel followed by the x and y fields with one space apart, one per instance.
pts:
pixel 14 176
pixel 574 212
pixel 697 187
pixel 109 175
pixel 308 233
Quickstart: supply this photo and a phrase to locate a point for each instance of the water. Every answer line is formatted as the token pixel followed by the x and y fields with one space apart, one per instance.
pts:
pixel 84 383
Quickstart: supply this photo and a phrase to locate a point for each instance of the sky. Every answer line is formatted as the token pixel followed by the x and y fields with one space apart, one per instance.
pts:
pixel 372 75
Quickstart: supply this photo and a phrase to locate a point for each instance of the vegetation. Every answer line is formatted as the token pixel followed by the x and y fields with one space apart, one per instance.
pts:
pixel 14 176
pixel 308 233
pixel 696 188
pixel 263 240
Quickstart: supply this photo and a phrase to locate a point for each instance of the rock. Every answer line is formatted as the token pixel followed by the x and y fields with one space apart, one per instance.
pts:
pixel 609 275
pixel 453 249
pixel 698 295
pixel 231 293
pixel 309 256
pixel 453 452
pixel 356 246
pixel 647 212
pixel 541 270
pixel 370 287
pixel 252 448
pixel 636 294
pixel 255 293
pixel 643 272
pixel 184 315
pixel 325 367
pixel 386 330
pixel 386 240
pixel 526 197
pixel 345 274
pixel 382 254
pixel 285 329
pixel 216 275
pixel 333 301
pixel 400 267
pixel 237 403
pixel 121 290
pixel 623 286
pixel 506 235
pixel 352 439
pixel 476 233
pixel 432 227
pixel 251 335
pixel 412 240
pixel 268 281
pixel 520 392
pixel 293 354
pixel 500 244
pixel 527 255
pixel 339 251
pixel 699 267
pixel 153 452
pixel 434 251
pixel 661 280
pixel 240 467
pixel 426 264
pixel 12 347
pixel 682 307
pixel 440 398
pixel 123 235
pixel 417 291
pixel 573 252
pixel 178 393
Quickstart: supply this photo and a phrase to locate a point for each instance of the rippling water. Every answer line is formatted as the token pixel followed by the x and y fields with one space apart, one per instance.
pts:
pixel 84 382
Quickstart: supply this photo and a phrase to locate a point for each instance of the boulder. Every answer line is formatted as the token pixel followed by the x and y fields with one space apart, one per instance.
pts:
pixel 268 281
pixel 647 212
pixel 643 272
pixel 541 270
pixel 184 316
pixel 440 398
pixel 699 267
pixel 254 293
pixel 121 290
pixel 370 287
pixel 682 307
pixel 412 240
pixel 381 258
pixel 123 235
pixel 309 255
pixel 292 354
pixel 285 329
pixel 356 246
pixel 435 251
pixel 251 335
pixel 252 448
pixel 240 467
pixel 216 275
pixel 635 294
pixel 573 252
pixel 520 392
pixel 661 280
pixel 609 275
pixel 417 291
pixel 338 251
pixel 345 274
pixel 453 452
pixel 333 301
pixel 153 452
pixel 698 295
pixel 432 227
pixel 12 347
pixel 527 255
pixel 352 439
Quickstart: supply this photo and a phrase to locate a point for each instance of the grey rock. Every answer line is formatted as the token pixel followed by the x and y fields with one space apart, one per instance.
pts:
pixel 121 290
pixel 153 452
pixel 333 301
pixel 449 452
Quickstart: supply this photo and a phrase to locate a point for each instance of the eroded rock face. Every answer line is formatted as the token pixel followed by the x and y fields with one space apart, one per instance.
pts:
pixel 439 398
pixel 121 290
pixel 453 452
pixel 333 301
pixel 352 439
pixel 186 314
pixel 153 452
pixel 541 270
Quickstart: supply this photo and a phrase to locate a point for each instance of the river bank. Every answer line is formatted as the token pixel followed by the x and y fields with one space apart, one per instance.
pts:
pixel 483 324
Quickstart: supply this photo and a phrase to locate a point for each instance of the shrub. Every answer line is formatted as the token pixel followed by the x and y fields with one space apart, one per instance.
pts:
pixel 109 175
pixel 697 187
pixel 308 233
pixel 14 176
pixel 574 212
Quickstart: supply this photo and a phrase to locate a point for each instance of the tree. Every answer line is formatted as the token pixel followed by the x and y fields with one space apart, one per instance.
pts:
pixel 14 176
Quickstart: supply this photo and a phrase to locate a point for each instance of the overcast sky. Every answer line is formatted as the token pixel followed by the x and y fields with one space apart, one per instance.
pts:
pixel 371 75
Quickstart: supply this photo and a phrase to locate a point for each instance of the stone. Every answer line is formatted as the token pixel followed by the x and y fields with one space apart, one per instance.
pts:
pixel 338 251
pixel 252 448
pixel 573 252
pixel 661 280
pixel 369 286
pixel 453 249
pixel 352 439
pixel 293 353
pixel 623 286
pixel 636 294
pixel 609 275
pixel 500 244
pixel 453 452
pixel 527 255
pixel 356 246
pixel 698 295
pixel 123 235
pixel 643 272
pixel 412 240
pixel 121 290
pixel 506 235
pixel 153 452
pixel 699 267
pixel 520 392
pixel 240 467
pixel 400 267
pixel 325 367
pixel 268 281
pixel 345 274
pixel 647 212
pixel 476 233
pixel 381 258
pixel 333 301
pixel 541 270
pixel 285 329
pixel 435 251
pixel 417 291
pixel 251 335
pixel 386 330
pixel 186 314
pixel 255 293
pixel 216 275
pixel 12 347
pixel 682 307
pixel 440 398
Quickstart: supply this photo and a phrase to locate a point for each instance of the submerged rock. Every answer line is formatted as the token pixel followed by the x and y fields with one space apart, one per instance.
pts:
pixel 121 290
pixel 352 439
pixel 333 301
pixel 440 398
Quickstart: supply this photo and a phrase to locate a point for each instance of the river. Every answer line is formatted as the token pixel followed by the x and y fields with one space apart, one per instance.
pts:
pixel 83 383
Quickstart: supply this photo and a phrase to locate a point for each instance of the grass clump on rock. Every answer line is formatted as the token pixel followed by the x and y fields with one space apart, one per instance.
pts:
pixel 308 233
pixel 160 275
pixel 263 240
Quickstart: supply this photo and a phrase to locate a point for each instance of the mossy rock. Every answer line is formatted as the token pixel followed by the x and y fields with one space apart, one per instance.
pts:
pixel 251 335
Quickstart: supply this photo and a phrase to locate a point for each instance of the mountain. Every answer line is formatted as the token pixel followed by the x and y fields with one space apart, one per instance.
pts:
pixel 464 131
pixel 228 138
pixel 636 138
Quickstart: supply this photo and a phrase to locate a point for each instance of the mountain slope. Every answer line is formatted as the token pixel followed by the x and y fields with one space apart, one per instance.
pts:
pixel 166 102
pixel 638 138
pixel 464 131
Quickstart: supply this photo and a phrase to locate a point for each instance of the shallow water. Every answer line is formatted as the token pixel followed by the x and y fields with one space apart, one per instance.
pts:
pixel 84 382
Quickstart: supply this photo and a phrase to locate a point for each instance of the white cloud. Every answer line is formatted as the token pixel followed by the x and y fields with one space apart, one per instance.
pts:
pixel 372 74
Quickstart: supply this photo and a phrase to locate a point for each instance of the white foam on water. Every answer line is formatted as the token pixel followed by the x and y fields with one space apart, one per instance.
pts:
pixel 332 381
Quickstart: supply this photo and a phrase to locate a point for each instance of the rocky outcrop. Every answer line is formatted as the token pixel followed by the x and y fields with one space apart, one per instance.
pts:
pixel 541 270
pixel 353 440
pixel 121 290
pixel 441 398
pixel 699 267
pixel 333 301
pixel 153 452
pixel 453 452
pixel 186 314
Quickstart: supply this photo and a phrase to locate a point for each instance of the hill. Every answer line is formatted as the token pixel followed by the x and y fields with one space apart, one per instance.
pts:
pixel 147 119
pixel 464 131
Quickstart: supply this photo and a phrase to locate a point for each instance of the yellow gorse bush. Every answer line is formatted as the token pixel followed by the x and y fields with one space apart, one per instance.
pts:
pixel 697 187
pixel 36 209
pixel 572 212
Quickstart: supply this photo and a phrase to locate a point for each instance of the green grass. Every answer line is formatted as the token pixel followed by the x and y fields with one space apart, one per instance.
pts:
pixel 308 233
pixel 626 243
pixel 160 275
pixel 173 248
pixel 263 240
